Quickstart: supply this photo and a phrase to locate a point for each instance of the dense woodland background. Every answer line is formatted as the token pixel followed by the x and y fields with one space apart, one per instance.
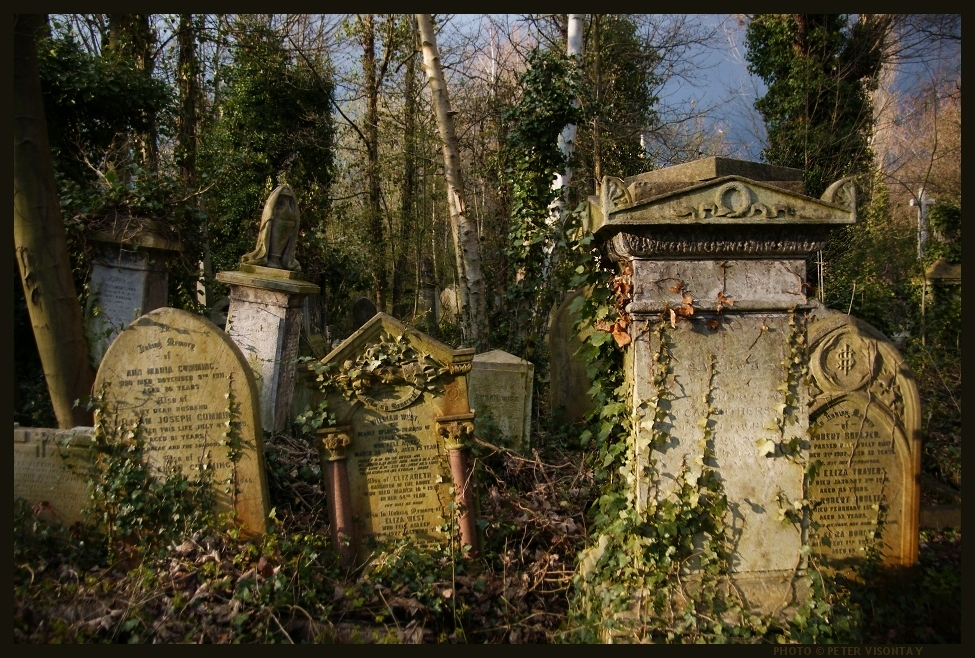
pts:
pixel 192 120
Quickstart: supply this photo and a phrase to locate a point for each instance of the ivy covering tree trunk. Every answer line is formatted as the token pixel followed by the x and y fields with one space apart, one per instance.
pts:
pixel 467 244
pixel 40 240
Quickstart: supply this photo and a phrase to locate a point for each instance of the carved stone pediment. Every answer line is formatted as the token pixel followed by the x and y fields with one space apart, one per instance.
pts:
pixel 732 200
pixel 730 216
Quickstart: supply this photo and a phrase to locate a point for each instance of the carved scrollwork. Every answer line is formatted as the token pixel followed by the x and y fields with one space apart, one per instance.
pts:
pixel 460 368
pixel 842 193
pixel 616 192
pixel 845 362
pixel 847 355
pixel 455 432
pixel 334 442
pixel 734 199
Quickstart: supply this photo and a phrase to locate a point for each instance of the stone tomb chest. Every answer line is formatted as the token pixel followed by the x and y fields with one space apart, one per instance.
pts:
pixel 712 282
pixel 395 459
pixel 194 394
pixel 501 390
pixel 51 468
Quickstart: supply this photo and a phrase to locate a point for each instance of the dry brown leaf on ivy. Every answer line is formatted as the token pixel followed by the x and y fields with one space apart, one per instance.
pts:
pixel 684 310
pixel 603 325
pixel 673 318
pixel 627 268
pixel 623 322
pixel 621 336
pixel 687 299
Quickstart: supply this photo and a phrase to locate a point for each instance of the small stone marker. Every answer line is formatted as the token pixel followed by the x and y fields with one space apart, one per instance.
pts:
pixel 500 388
pixel 267 296
pixel 362 310
pixel 402 416
pixel 51 466
pixel 569 383
pixel 865 432
pixel 129 276
pixel 179 373
pixel 449 303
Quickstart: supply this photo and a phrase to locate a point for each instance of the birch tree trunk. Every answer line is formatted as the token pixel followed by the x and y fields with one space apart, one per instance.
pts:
pixel 40 241
pixel 574 41
pixel 467 245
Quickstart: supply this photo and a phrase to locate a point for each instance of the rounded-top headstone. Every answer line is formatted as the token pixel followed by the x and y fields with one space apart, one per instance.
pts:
pixel 362 311
pixel 187 381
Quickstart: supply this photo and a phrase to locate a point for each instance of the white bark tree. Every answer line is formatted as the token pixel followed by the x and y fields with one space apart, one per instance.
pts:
pixel 576 30
pixel 467 245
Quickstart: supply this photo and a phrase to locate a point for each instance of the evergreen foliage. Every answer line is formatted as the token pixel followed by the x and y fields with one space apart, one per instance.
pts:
pixel 820 71
pixel 274 126
pixel 548 87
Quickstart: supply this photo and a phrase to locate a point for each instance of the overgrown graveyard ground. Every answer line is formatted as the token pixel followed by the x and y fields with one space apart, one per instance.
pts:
pixel 70 585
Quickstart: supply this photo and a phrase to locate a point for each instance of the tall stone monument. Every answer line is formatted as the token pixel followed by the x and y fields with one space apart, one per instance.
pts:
pixel 266 301
pixel 129 276
pixel 396 458
pixel 712 255
pixel 194 393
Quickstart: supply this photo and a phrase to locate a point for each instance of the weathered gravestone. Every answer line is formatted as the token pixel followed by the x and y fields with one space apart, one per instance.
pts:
pixel 267 296
pixel 195 395
pixel 362 309
pixel 712 260
pixel 129 276
pixel 500 389
pixel 569 383
pixel 50 470
pixel 397 447
pixel 864 434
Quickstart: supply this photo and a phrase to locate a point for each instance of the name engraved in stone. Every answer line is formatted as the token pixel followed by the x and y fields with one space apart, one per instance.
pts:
pixel 852 486
pixel 177 425
pixel 394 468
pixel 180 377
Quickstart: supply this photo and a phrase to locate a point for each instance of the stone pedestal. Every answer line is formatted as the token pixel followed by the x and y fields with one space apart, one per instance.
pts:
pixel 129 277
pixel 264 320
pixel 712 260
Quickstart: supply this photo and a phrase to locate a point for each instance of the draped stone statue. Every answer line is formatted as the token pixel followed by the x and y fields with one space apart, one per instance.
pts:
pixel 278 233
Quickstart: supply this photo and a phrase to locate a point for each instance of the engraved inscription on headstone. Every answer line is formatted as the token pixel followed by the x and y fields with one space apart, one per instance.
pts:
pixel 501 389
pixel 179 374
pixel 712 254
pixel 50 466
pixel 743 393
pixel 129 275
pixel 119 293
pixel 391 390
pixel 394 465
pixel 864 434
pixel 860 480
